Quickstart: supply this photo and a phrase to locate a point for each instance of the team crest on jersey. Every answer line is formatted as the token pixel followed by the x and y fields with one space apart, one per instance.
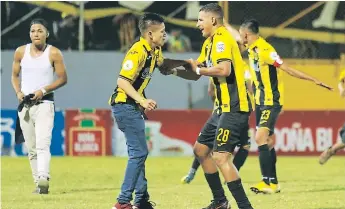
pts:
pixel 146 73
pixel 128 65
pixel 220 46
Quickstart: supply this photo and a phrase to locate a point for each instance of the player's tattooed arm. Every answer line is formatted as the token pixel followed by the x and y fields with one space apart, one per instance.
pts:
pixel 298 74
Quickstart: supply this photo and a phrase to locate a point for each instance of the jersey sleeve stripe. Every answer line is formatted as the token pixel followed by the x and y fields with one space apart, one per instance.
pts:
pixel 123 77
pixel 223 60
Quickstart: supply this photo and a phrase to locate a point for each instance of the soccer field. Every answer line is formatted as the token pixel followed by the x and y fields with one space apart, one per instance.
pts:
pixel 94 183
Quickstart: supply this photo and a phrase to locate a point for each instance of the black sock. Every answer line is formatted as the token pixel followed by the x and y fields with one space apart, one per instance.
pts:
pixel 215 185
pixel 265 163
pixel 240 158
pixel 239 194
pixel 195 164
pixel 273 176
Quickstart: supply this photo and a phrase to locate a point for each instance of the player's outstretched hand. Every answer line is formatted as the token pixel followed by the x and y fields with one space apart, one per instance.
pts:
pixel 148 104
pixel 168 66
pixel 319 83
pixel 193 64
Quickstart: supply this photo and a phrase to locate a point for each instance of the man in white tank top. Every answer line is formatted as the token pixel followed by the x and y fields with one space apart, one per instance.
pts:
pixel 37 62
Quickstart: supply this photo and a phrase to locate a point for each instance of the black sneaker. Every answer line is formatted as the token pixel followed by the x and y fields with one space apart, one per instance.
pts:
pixel 145 205
pixel 224 204
pixel 43 185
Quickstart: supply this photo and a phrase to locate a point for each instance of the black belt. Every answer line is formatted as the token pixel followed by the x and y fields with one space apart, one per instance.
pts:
pixel 27 102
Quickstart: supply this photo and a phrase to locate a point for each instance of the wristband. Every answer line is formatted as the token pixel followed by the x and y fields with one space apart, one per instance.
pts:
pixel 43 91
pixel 197 71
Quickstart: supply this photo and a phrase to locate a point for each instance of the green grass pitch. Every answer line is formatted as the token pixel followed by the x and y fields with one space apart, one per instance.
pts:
pixel 94 183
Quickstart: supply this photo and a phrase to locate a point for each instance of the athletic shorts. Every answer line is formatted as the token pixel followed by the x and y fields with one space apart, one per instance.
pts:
pixel 224 132
pixel 267 116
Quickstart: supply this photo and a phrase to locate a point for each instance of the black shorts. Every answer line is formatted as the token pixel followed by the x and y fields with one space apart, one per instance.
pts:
pixel 342 134
pixel 245 137
pixel 226 131
pixel 267 116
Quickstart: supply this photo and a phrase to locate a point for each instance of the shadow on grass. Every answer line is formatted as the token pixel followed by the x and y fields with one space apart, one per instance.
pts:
pixel 332 208
pixel 321 190
pixel 87 190
pixel 328 190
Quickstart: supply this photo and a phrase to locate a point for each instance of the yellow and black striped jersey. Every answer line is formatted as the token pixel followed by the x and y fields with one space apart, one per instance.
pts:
pixel 137 68
pixel 264 63
pixel 230 91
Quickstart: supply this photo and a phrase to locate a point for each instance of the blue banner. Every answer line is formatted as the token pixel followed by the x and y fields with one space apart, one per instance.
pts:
pixel 8 125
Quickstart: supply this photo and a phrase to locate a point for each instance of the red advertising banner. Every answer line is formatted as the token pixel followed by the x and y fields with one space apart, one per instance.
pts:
pixel 88 132
pixel 296 133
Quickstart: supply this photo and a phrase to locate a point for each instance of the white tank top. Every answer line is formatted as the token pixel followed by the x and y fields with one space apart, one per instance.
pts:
pixel 36 72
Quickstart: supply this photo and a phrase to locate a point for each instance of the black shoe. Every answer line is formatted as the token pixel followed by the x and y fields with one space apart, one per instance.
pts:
pixel 224 204
pixel 145 205
pixel 43 186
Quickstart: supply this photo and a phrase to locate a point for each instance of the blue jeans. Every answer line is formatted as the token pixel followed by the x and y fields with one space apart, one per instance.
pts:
pixel 130 121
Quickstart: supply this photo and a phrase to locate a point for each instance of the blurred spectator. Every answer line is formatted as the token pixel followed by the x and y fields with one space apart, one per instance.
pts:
pixel 177 42
pixel 127 31
pixel 89 35
pixel 303 49
pixel 8 9
pixel 66 32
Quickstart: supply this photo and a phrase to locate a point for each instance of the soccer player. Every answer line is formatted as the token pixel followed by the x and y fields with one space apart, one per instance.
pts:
pixel 265 64
pixel 242 153
pixel 137 69
pixel 129 103
pixel 223 130
pixel 244 144
pixel 324 157
pixel 37 63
